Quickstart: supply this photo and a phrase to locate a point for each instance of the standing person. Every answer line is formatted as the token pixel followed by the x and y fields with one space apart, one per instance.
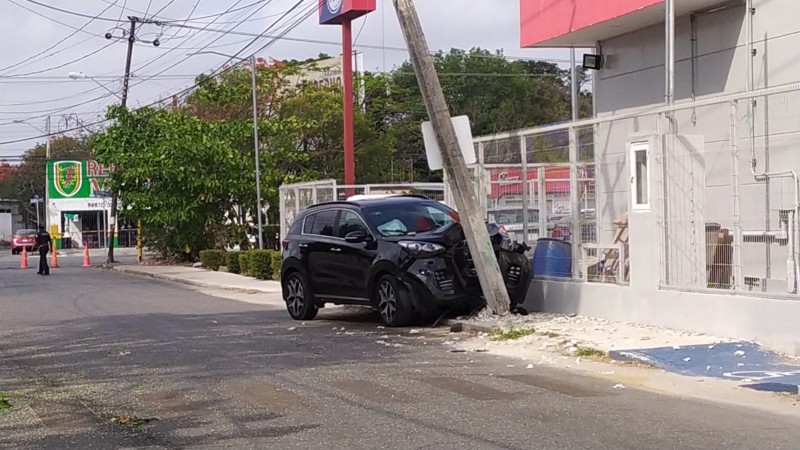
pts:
pixel 43 242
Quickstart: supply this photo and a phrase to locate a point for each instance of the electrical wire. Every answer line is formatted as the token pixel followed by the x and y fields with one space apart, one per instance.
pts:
pixel 186 58
pixel 191 13
pixel 80 58
pixel 121 10
pixel 59 42
pixel 184 91
pixel 79 94
pixel 151 61
pixel 145 11
pixel 57 21
pixel 375 47
pixel 358 35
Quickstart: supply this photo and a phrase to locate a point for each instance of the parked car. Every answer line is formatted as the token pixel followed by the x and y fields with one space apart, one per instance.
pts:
pixel 402 255
pixel 23 239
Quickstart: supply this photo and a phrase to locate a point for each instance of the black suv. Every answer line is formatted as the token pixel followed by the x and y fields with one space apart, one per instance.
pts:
pixel 403 255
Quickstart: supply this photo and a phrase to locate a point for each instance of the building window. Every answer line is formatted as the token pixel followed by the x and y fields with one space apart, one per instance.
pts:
pixel 640 175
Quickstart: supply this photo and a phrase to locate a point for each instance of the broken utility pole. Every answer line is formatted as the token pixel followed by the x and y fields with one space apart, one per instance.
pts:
pixel 494 289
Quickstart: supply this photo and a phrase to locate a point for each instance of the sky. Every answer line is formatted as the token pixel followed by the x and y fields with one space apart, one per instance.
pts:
pixel 35 66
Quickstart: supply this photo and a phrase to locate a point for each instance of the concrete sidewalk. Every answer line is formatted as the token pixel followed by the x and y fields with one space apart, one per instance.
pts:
pixel 546 338
pixel 204 278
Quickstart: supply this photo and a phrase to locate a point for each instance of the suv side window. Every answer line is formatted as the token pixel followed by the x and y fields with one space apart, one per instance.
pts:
pixel 296 226
pixel 308 223
pixel 323 222
pixel 350 221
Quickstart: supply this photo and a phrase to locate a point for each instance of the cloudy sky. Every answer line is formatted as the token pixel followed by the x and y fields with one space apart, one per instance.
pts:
pixel 37 52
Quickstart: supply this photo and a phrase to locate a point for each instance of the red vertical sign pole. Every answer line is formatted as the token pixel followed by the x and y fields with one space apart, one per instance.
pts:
pixel 343 12
pixel 347 104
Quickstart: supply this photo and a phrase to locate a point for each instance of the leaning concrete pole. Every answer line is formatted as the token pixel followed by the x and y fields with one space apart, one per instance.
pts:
pixel 458 177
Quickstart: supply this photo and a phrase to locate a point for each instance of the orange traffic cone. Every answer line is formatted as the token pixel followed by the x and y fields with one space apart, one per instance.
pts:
pixel 86 262
pixel 54 263
pixel 24 263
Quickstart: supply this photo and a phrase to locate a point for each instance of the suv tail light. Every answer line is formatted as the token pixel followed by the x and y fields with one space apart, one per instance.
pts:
pixel 285 243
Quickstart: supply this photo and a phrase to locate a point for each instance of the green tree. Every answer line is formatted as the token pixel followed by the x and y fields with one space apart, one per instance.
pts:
pixel 497 95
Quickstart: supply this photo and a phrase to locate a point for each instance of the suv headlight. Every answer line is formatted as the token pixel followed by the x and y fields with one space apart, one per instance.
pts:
pixel 422 249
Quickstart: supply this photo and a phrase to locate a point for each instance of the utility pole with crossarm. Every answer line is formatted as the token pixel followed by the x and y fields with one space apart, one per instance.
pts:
pixel 494 289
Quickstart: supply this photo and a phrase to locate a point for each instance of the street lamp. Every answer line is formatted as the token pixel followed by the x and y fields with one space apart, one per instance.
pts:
pixel 252 60
pixel 81 75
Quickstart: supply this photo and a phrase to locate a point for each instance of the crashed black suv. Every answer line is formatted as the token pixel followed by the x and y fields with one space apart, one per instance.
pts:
pixel 403 255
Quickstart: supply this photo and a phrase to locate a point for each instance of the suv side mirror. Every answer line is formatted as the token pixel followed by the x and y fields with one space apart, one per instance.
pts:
pixel 355 237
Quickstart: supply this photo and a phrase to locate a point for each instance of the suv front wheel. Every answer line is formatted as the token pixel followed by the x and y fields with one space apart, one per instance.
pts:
pixel 298 297
pixel 393 304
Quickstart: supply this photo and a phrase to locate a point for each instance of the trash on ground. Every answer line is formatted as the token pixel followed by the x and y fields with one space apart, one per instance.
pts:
pixel 619 386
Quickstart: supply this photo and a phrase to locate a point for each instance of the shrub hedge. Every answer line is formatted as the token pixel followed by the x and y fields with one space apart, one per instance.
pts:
pixel 232 262
pixel 212 259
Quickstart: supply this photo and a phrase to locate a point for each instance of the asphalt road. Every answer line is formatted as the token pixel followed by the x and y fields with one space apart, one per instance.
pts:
pixel 85 345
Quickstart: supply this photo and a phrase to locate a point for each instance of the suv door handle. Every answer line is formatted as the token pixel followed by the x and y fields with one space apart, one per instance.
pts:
pixel 303 245
pixel 335 249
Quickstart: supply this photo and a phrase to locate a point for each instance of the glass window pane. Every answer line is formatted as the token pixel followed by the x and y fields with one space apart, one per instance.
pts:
pixel 324 223
pixel 349 222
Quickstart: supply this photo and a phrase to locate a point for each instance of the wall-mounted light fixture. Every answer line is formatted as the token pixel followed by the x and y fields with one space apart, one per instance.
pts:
pixel 592 61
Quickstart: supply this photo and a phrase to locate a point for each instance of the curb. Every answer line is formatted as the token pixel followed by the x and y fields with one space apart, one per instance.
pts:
pixel 471 327
pixel 128 270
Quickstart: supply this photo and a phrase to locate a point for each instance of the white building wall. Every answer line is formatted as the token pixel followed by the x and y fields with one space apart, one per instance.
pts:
pixel 633 80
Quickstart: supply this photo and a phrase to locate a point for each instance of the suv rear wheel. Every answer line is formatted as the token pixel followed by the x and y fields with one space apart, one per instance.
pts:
pixel 299 299
pixel 393 305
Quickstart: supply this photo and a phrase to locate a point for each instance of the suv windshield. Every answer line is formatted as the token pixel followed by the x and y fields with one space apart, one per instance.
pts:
pixel 403 218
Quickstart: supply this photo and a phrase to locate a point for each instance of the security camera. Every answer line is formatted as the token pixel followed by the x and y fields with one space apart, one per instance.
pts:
pixel 109 36
pixel 156 43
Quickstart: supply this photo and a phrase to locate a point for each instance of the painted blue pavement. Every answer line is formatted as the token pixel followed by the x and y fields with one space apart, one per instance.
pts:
pixel 744 362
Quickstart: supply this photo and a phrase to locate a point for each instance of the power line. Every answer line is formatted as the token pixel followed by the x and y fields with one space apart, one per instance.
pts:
pixel 186 58
pixel 64 64
pixel 59 42
pixel 375 47
pixel 145 11
pixel 218 72
pixel 57 21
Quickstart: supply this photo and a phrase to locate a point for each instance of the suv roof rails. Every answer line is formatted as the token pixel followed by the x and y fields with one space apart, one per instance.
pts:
pixel 386 196
pixel 355 203
pixel 335 202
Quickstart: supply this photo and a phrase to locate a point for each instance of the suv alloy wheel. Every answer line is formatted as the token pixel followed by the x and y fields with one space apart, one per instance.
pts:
pixel 298 298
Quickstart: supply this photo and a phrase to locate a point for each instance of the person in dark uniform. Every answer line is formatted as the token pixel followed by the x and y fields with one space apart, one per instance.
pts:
pixel 43 242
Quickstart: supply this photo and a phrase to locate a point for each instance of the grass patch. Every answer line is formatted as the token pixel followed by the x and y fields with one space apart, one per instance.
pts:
pixel 511 334
pixel 588 352
pixel 550 334
pixel 4 397
pixel 132 420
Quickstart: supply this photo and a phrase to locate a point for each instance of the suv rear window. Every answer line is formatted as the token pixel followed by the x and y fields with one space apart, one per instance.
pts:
pixel 27 233
pixel 398 219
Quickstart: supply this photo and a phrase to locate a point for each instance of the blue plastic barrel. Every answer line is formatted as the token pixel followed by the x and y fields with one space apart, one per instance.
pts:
pixel 552 258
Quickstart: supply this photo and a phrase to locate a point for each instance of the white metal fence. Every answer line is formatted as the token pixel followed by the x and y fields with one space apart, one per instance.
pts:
pixel 724 206
pixel 299 196
pixel 724 200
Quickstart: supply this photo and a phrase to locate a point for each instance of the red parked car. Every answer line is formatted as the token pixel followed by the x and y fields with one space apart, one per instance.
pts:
pixel 23 239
